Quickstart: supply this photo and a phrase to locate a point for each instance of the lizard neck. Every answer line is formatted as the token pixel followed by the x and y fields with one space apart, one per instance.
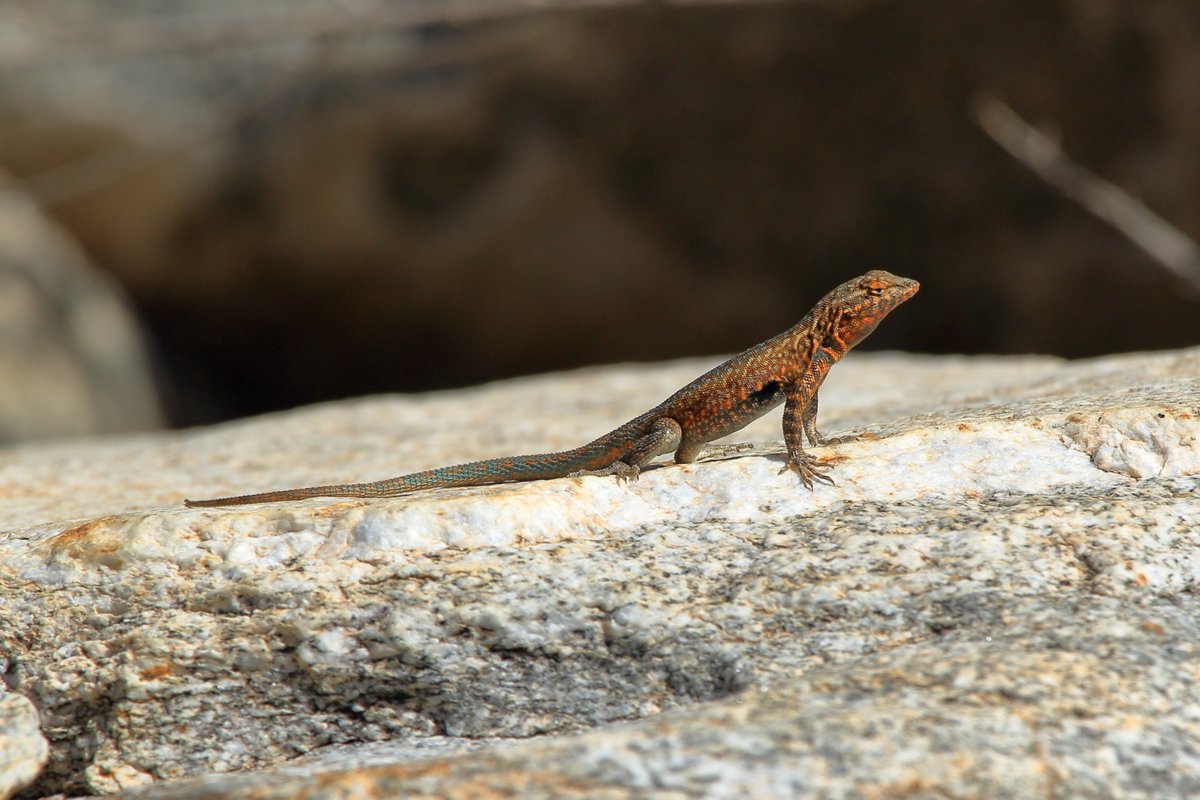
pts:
pixel 816 338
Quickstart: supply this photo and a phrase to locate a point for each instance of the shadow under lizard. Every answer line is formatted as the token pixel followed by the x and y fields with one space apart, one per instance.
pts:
pixel 788 368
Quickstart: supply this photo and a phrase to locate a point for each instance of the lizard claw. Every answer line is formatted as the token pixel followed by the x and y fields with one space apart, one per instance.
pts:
pixel 809 469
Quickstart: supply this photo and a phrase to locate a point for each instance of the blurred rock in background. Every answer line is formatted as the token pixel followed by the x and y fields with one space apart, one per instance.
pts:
pixel 72 357
pixel 308 200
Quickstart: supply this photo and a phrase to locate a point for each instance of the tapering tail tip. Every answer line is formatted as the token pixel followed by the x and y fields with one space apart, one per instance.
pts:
pixel 283 495
pixel 216 502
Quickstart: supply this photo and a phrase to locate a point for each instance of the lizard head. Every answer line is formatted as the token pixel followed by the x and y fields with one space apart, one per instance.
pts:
pixel 857 306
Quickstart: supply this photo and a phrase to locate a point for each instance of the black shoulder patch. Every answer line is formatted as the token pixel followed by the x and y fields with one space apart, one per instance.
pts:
pixel 768 393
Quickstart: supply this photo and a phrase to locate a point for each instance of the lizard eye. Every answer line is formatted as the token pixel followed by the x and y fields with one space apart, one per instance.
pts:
pixel 875 288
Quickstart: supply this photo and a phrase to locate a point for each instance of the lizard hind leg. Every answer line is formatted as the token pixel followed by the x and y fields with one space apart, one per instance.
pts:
pixel 663 437
pixel 809 420
pixel 815 437
pixel 717 451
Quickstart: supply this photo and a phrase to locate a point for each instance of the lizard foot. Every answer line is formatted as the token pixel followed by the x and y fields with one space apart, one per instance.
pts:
pixel 809 469
pixel 818 439
pixel 623 471
pixel 723 450
pixel 843 439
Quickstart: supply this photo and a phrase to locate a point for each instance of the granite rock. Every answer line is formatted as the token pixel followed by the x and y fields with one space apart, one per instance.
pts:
pixel 23 749
pixel 995 599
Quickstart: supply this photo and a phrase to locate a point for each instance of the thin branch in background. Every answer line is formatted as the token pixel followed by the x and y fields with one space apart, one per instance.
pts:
pixel 1163 242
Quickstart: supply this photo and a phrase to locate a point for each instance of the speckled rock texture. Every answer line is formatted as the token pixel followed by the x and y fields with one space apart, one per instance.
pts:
pixel 23 749
pixel 996 600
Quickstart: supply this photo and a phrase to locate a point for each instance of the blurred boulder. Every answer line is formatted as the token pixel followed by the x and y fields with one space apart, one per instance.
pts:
pixel 73 360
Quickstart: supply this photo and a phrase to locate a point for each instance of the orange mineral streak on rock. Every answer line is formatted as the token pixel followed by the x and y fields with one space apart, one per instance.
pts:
pixel 96 541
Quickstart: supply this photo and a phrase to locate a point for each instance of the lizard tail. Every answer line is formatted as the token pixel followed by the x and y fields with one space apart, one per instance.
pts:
pixel 333 490
pixel 476 473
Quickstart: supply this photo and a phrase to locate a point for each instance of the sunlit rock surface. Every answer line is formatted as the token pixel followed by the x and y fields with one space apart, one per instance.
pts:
pixel 994 600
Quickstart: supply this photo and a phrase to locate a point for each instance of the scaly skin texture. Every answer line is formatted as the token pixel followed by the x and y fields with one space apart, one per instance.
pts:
pixel 788 368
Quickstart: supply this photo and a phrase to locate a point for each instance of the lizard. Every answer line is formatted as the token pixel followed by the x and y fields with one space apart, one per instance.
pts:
pixel 788 368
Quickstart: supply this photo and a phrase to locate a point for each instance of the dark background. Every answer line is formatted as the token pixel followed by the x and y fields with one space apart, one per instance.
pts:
pixel 305 202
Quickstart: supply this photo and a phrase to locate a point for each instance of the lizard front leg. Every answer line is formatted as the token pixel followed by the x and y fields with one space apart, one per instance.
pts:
pixel 798 422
